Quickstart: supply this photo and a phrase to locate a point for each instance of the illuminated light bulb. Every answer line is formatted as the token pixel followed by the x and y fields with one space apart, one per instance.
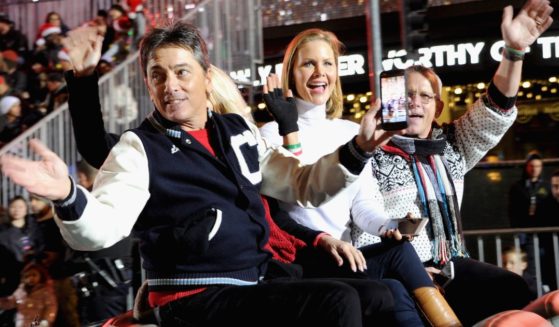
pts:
pixel 350 97
pixel 526 84
pixel 261 105
pixel 480 86
pixel 458 90
pixel 363 99
pixel 553 79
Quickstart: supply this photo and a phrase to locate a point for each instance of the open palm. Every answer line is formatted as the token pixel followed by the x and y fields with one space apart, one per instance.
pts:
pixel 47 177
pixel 84 49
pixel 532 20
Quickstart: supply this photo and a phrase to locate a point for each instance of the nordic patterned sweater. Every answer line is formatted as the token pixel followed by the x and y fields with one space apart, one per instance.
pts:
pixel 469 138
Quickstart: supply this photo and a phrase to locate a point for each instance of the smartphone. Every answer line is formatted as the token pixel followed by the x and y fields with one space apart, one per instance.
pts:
pixel 411 226
pixel 394 99
pixel 406 226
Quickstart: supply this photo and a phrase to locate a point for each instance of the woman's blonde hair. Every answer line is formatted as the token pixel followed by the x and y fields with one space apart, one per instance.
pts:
pixel 225 96
pixel 334 105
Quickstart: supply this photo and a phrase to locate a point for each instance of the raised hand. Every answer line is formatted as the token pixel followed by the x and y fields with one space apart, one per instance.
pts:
pixel 340 250
pixel 370 134
pixel 83 45
pixel 47 177
pixel 533 19
pixel 284 110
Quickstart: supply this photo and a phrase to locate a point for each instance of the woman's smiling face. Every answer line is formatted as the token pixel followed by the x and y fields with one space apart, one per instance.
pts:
pixel 315 71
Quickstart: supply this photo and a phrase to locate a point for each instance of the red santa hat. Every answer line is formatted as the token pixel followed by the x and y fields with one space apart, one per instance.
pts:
pixel 44 31
pixel 135 5
pixel 47 29
pixel 122 24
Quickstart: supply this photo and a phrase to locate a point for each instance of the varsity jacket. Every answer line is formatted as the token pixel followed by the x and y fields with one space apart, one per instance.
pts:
pixel 199 217
pixel 469 138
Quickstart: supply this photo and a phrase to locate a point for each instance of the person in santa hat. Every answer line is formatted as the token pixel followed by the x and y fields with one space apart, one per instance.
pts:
pixel 120 47
pixel 136 14
pixel 48 46
pixel 52 19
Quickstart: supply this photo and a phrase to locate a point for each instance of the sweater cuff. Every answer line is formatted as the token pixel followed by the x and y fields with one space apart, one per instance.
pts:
pixel 498 99
pixel 353 158
pixel 317 238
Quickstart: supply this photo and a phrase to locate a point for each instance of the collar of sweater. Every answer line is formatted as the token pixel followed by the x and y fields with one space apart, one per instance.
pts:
pixel 309 111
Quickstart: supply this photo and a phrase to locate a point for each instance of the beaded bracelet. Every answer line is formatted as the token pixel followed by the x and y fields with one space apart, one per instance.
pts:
pixel 294 148
pixel 513 54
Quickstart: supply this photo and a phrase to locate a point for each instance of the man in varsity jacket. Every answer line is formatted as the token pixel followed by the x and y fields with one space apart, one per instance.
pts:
pixel 187 182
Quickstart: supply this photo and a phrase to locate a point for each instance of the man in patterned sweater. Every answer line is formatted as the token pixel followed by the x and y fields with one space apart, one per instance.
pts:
pixel 422 173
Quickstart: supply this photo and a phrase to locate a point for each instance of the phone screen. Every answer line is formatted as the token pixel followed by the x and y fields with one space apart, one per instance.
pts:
pixel 393 100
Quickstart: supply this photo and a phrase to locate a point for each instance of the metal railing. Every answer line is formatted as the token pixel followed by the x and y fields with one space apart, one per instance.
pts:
pixel 488 245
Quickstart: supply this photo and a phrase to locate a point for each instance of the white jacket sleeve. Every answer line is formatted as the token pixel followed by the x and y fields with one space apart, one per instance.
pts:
pixel 119 194
pixel 367 209
pixel 286 179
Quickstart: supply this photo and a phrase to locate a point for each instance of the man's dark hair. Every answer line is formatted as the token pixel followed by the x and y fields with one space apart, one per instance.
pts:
pixel 15 198
pixel 555 173
pixel 178 34
pixel 4 19
pixel 55 77
pixel 102 13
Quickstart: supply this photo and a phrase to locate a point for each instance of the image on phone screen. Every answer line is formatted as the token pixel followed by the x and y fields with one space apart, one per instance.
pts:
pixel 393 100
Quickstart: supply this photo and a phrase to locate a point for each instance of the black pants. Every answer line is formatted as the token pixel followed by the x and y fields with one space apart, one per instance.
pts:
pixel 480 290
pixel 278 303
pixel 392 264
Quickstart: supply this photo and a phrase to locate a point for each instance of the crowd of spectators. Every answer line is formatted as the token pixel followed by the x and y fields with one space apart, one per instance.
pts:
pixel 38 267
pixel 32 66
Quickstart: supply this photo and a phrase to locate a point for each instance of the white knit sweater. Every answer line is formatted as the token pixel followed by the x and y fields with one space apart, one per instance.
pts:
pixel 319 136
pixel 468 140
